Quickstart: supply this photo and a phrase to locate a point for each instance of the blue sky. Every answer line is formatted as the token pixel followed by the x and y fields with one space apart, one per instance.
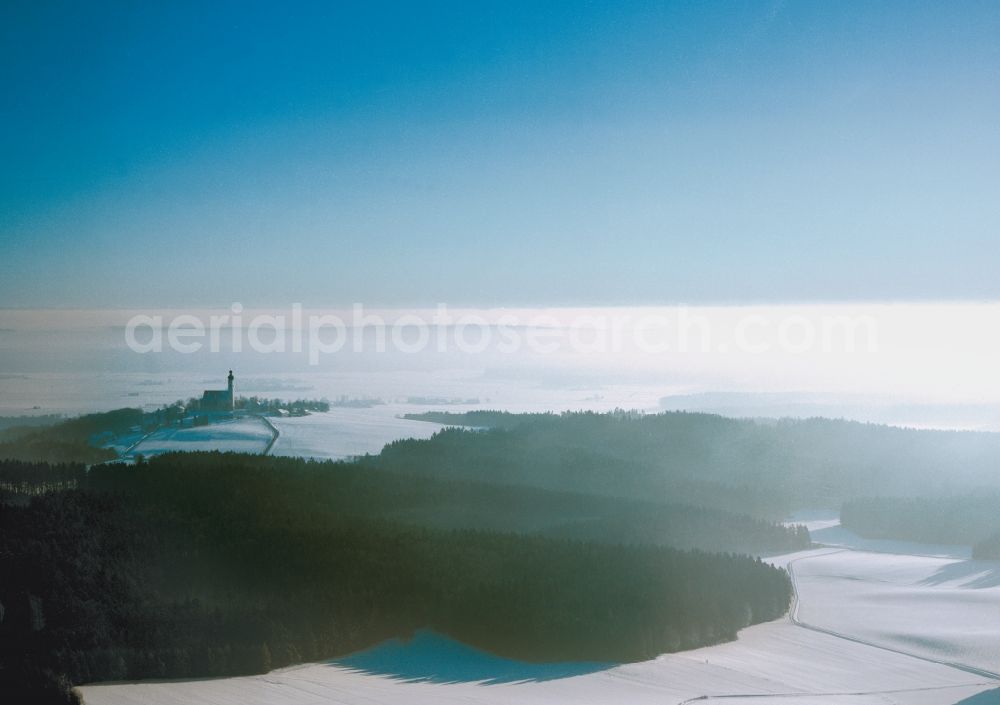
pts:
pixel 183 154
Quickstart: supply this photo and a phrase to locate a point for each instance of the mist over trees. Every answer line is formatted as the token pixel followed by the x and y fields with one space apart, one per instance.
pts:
pixel 965 519
pixel 988 548
pixel 763 467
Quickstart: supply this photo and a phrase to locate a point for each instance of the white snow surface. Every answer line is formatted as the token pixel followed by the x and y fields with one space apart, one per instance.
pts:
pixel 779 663
pixel 939 608
pixel 249 434
pixel 347 432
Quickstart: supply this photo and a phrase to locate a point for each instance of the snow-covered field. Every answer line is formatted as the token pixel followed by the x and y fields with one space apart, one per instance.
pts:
pixel 940 608
pixel 788 663
pixel 339 433
pixel 779 663
pixel 345 432
pixel 242 435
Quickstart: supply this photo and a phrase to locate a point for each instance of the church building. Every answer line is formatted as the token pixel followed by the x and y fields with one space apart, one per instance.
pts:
pixel 218 399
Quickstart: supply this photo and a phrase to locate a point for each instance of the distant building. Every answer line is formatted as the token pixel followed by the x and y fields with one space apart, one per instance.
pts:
pixel 218 399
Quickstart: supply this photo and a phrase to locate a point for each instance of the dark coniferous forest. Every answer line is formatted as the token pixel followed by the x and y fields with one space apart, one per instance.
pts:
pixel 758 466
pixel 219 564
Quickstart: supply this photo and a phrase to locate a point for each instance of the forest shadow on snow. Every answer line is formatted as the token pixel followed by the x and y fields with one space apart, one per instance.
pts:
pixel 430 657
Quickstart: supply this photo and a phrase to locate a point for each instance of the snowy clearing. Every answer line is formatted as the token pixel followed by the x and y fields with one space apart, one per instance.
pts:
pixel 939 608
pixel 344 433
pixel 250 434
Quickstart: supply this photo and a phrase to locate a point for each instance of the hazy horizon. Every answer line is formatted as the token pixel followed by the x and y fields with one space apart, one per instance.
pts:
pixel 915 364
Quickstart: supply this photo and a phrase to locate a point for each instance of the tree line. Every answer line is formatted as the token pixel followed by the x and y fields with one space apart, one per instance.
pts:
pixel 28 479
pixel 987 548
pixel 75 440
pixel 970 519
